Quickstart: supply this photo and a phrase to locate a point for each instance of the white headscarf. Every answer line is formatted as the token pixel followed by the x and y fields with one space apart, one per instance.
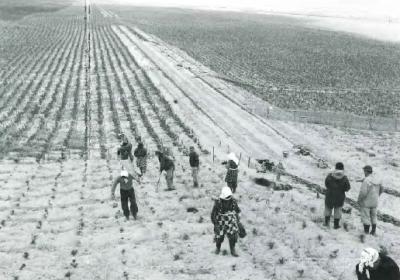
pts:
pixel 368 258
pixel 124 173
pixel 225 192
pixel 233 158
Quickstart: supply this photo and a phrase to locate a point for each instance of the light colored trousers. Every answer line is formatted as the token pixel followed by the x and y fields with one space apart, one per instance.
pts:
pixel 170 178
pixel 195 174
pixel 368 215
pixel 337 212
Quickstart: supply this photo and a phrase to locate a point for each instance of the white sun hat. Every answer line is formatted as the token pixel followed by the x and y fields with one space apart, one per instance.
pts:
pixel 368 257
pixel 233 158
pixel 225 193
pixel 124 173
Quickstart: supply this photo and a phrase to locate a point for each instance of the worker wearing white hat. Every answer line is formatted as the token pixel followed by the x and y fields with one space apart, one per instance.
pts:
pixel 225 217
pixel 125 181
pixel 231 177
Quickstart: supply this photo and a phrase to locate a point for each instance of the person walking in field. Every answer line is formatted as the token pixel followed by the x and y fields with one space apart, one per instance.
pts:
pixel 194 164
pixel 370 190
pixel 225 218
pixel 376 265
pixel 125 154
pixel 231 177
pixel 337 184
pixel 125 182
pixel 279 169
pixel 141 158
pixel 167 164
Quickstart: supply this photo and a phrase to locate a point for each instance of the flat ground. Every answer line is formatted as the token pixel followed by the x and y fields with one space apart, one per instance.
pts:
pixel 17 9
pixel 285 60
pixel 70 88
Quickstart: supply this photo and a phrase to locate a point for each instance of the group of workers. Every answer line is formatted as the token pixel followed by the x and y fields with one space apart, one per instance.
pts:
pixel 373 265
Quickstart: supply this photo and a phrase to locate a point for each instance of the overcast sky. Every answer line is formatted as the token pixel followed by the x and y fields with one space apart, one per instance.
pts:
pixel 347 8
pixel 376 19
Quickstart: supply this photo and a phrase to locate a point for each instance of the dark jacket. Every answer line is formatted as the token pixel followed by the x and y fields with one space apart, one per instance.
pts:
pixel 165 163
pixel 194 159
pixel 140 151
pixel 232 173
pixel 128 185
pixel 222 206
pixel 125 151
pixel 386 270
pixel 336 184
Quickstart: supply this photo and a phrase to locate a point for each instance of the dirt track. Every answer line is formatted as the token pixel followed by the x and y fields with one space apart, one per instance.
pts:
pixel 204 101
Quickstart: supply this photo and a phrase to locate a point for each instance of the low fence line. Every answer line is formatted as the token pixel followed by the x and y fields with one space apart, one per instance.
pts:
pixel 263 109
pixel 349 120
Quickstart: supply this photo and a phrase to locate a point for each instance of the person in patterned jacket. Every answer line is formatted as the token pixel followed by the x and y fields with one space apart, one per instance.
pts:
pixel 141 158
pixel 225 217
pixel 231 177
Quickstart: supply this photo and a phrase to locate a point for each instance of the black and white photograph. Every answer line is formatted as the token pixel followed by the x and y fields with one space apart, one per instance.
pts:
pixel 199 139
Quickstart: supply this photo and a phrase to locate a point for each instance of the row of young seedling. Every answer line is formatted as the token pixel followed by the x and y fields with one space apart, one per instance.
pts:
pixel 50 204
pixel 40 222
pixel 134 92
pixel 25 115
pixel 72 131
pixel 123 101
pixel 99 67
pixel 53 71
pixel 99 60
pixel 59 110
pixel 146 88
pixel 81 223
pixel 97 53
pixel 40 135
pixel 85 55
pixel 17 205
pixel 100 113
pixel 138 105
pixel 152 92
pixel 116 120
pixel 32 71
pixel 87 87
pixel 21 65
pixel 24 95
pixel 16 51
pixel 125 104
pixel 119 65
